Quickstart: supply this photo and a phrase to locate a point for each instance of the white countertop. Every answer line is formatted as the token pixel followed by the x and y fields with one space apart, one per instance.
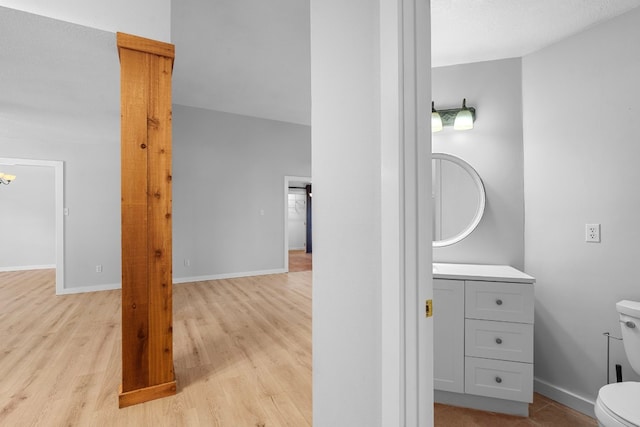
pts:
pixel 492 273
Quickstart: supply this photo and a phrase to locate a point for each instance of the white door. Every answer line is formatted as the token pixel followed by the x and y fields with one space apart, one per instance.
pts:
pixel 297 220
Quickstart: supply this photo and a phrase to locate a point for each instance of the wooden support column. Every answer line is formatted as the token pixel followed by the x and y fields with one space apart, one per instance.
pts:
pixel 147 323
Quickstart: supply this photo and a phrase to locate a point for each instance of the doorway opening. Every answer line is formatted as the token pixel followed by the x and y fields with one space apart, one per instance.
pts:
pixel 298 243
pixel 58 184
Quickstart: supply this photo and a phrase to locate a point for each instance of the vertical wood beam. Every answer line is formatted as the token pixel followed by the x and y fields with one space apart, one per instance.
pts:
pixel 147 312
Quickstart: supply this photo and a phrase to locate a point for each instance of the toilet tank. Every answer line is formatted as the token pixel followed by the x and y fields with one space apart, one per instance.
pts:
pixel 630 324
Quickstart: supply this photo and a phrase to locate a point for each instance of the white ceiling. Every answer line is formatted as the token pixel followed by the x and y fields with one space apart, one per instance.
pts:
pixel 252 56
pixel 464 31
pixel 249 57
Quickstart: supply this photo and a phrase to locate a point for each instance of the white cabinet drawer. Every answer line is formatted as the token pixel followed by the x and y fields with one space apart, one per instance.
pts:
pixel 499 340
pixel 499 378
pixel 512 302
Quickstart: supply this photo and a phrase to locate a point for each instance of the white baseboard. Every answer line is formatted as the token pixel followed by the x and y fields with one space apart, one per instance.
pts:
pixel 565 397
pixel 176 280
pixel 27 267
pixel 84 289
pixel 227 276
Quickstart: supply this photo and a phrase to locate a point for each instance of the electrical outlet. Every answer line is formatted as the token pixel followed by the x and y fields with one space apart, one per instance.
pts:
pixel 98 268
pixel 187 262
pixel 592 233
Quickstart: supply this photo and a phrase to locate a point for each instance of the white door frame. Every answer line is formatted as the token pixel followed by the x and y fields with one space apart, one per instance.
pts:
pixel 407 335
pixel 58 167
pixel 287 181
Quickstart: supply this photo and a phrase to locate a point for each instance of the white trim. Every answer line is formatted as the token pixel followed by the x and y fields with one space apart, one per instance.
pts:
pixel 27 267
pixel 86 289
pixel 227 276
pixel 405 92
pixel 565 397
pixel 481 204
pixel 391 212
pixel 287 180
pixel 418 212
pixel 59 207
pixel 176 280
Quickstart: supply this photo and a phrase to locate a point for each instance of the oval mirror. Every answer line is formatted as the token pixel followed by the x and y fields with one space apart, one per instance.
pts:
pixel 458 199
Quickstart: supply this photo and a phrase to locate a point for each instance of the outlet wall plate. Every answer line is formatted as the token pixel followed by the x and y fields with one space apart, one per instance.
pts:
pixel 592 233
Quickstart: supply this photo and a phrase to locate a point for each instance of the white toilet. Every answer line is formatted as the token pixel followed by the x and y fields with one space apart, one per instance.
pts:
pixel 618 404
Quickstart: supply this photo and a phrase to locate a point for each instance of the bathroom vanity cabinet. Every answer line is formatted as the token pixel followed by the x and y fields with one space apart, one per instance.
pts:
pixel 483 337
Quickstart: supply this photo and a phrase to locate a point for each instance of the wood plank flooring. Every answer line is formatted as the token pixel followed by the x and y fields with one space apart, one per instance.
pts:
pixel 542 412
pixel 299 260
pixel 242 358
pixel 242 355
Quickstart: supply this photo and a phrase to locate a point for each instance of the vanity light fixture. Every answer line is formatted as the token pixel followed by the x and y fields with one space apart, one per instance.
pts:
pixel 459 118
pixel 436 120
pixel 6 178
pixel 464 118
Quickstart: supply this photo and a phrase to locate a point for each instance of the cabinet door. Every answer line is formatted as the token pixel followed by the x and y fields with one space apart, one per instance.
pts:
pixel 448 335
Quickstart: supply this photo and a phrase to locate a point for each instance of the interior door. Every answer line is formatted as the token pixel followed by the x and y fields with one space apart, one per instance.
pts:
pixel 297 219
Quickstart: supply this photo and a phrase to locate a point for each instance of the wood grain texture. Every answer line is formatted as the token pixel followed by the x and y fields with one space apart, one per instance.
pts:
pixel 131 42
pixel 134 165
pixel 146 394
pixel 160 228
pixel 542 412
pixel 243 357
pixel 242 354
pixel 147 328
pixel 299 260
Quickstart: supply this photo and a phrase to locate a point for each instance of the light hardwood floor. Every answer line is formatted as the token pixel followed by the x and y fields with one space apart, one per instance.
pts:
pixel 242 358
pixel 242 355
pixel 299 260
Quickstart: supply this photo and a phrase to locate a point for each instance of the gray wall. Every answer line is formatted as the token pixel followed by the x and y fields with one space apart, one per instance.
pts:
pixel 581 154
pixel 27 208
pixel 346 242
pixel 494 148
pixel 59 98
pixel 228 170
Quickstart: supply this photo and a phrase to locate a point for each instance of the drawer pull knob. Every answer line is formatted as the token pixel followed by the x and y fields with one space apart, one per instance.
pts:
pixel 498 340
pixel 499 301
pixel 498 380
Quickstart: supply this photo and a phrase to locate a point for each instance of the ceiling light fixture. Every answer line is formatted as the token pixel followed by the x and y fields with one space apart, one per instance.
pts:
pixel 459 118
pixel 6 178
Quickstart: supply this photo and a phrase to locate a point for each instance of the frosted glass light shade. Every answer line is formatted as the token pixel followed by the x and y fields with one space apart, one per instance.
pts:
pixel 436 122
pixel 464 118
